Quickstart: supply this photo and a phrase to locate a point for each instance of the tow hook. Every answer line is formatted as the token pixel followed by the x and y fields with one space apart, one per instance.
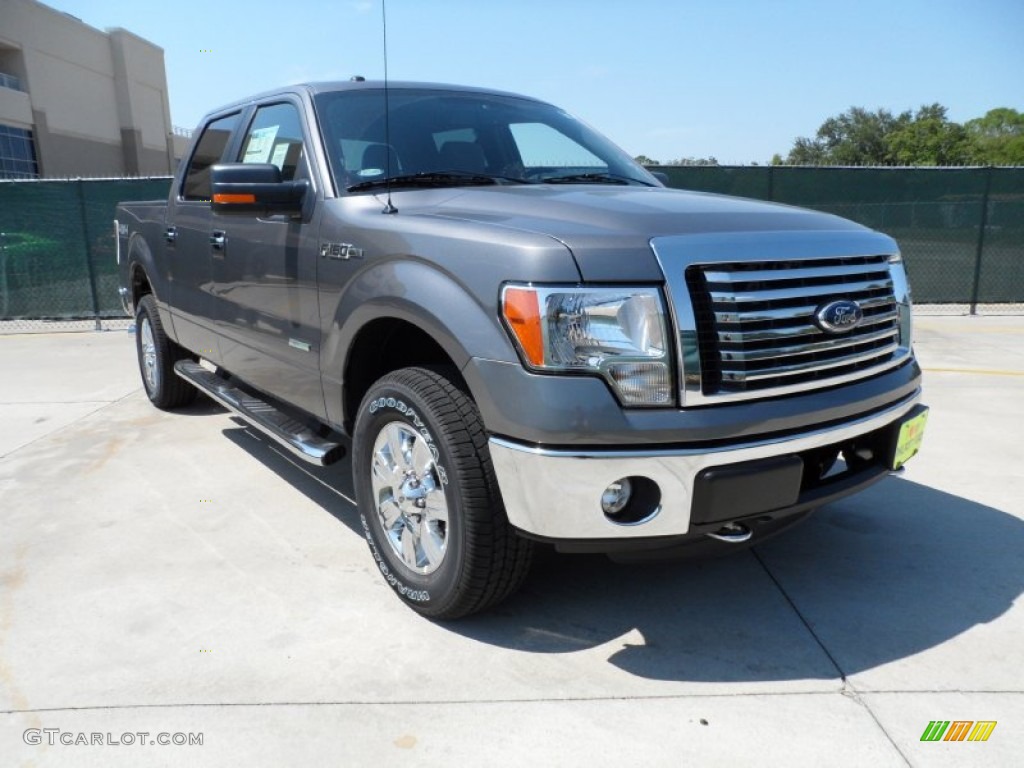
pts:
pixel 733 533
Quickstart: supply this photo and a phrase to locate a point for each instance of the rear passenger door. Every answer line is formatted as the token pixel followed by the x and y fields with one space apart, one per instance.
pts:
pixel 268 311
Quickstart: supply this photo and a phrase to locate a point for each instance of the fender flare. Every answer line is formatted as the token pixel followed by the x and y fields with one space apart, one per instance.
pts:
pixel 421 295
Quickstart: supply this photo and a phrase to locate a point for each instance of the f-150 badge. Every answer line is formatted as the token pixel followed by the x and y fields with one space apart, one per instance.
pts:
pixel 340 251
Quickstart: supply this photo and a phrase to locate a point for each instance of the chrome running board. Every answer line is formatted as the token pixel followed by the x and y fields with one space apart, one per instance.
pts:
pixel 271 421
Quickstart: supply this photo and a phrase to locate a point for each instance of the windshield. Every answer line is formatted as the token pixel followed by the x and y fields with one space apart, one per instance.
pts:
pixel 442 137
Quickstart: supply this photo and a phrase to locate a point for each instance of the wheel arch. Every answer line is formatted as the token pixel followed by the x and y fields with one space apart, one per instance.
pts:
pixel 426 317
pixel 389 343
pixel 140 262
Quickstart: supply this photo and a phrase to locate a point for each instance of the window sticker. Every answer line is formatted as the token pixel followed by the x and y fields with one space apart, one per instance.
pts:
pixel 261 141
pixel 280 152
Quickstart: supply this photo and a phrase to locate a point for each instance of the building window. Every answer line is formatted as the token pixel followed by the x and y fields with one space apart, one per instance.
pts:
pixel 17 154
pixel 9 81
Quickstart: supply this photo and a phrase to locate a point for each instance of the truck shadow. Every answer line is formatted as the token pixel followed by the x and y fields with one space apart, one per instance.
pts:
pixel 878 577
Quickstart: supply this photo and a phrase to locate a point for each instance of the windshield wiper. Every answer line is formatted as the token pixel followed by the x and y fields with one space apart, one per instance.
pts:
pixel 432 179
pixel 592 178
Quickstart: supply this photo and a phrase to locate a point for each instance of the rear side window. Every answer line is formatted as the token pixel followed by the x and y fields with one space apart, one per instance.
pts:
pixel 275 137
pixel 210 150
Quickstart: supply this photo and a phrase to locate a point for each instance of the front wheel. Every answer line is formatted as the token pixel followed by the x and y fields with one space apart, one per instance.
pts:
pixel 428 499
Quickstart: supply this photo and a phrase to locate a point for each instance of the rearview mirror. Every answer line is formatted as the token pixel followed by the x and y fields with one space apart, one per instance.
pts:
pixel 254 189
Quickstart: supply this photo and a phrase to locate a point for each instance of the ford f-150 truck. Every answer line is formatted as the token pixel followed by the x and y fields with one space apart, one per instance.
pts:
pixel 523 335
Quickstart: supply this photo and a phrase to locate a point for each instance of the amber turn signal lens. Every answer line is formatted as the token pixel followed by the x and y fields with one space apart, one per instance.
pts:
pixel 523 315
pixel 224 198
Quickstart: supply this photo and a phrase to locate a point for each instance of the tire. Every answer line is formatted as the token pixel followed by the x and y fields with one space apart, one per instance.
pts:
pixel 428 499
pixel 157 355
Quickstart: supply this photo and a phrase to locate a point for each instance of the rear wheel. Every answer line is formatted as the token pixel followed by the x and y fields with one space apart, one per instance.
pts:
pixel 428 499
pixel 157 356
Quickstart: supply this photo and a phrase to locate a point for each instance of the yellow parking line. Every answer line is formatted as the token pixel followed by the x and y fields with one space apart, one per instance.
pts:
pixel 979 371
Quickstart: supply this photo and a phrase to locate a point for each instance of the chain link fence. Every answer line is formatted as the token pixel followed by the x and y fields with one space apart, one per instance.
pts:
pixel 961 231
pixel 57 260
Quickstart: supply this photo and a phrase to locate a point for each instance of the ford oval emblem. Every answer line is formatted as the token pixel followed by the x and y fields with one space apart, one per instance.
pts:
pixel 839 316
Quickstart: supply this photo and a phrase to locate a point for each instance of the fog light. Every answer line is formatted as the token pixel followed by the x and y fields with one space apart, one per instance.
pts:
pixel 616 496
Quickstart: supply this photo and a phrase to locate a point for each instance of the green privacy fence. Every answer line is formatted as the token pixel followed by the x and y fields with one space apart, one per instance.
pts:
pixel 961 229
pixel 57 246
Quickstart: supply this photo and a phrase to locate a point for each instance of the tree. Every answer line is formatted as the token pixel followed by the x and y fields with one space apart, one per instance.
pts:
pixel 930 138
pixel 645 160
pixel 925 137
pixel 694 161
pixel 998 137
pixel 856 137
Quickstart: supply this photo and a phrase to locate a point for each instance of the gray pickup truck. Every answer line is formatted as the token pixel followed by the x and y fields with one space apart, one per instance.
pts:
pixel 523 335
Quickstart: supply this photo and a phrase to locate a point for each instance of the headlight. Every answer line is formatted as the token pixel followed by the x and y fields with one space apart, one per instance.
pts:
pixel 618 333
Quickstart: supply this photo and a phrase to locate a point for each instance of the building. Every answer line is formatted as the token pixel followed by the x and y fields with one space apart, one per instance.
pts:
pixel 77 101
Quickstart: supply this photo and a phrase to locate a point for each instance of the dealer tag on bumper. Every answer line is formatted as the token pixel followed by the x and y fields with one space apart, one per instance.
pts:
pixel 910 436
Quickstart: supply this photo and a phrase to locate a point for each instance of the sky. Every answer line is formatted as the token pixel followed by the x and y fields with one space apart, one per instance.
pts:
pixel 737 80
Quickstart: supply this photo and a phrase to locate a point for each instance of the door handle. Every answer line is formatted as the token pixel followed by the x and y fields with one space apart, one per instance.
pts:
pixel 218 239
pixel 171 234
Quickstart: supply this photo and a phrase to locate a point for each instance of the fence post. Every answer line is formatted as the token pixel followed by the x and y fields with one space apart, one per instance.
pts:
pixel 3 274
pixel 88 258
pixel 975 291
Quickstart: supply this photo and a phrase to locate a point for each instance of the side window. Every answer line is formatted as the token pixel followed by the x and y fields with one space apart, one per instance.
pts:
pixel 210 150
pixel 275 137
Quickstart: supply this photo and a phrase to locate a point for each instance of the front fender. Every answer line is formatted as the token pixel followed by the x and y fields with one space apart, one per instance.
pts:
pixel 421 294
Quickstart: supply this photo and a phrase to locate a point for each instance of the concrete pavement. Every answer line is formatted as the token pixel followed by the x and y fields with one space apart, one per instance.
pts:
pixel 176 573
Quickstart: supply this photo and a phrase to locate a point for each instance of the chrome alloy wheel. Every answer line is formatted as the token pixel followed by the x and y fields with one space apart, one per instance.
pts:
pixel 149 369
pixel 411 504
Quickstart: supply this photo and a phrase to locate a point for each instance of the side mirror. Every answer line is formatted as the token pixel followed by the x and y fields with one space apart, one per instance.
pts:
pixel 660 176
pixel 254 189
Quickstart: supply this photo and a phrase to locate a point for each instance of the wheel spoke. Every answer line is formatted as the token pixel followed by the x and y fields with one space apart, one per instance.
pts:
pixel 390 513
pixel 383 472
pixel 397 440
pixel 432 543
pixel 422 458
pixel 437 507
pixel 409 547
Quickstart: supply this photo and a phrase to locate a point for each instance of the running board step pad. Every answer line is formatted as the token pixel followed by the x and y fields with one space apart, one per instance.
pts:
pixel 274 423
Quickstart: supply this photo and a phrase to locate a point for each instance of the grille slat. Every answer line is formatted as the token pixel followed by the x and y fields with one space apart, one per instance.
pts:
pixel 790 313
pixel 757 328
pixel 771 293
pixel 730 355
pixel 713 276
pixel 796 331
pixel 789 370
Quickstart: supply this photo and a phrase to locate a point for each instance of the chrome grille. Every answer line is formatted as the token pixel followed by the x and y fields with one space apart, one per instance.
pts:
pixel 756 329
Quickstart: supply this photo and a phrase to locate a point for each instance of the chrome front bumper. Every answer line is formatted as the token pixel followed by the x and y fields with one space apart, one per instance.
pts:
pixel 556 494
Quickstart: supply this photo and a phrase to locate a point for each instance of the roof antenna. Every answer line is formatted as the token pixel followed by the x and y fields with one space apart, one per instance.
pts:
pixel 389 208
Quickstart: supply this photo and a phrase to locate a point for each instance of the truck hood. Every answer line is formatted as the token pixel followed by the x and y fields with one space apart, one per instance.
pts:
pixel 608 229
